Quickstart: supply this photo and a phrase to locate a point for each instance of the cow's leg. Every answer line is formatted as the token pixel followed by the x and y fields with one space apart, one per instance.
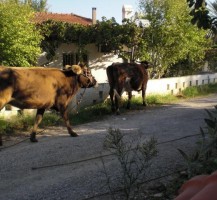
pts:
pixel 1 143
pixel 64 114
pixel 129 100
pixel 143 96
pixel 38 118
pixel 117 100
pixel 1 106
pixel 3 101
pixel 111 93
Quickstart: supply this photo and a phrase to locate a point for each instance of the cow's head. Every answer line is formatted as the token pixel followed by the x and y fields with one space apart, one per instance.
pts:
pixel 85 78
pixel 146 64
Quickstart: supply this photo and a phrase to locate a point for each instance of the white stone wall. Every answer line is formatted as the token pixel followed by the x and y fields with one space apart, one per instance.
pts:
pixel 177 84
pixel 155 86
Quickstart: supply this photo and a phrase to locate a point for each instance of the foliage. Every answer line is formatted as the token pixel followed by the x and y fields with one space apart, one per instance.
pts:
pixel 91 113
pixel 185 67
pixel 200 13
pixel 203 158
pixel 15 123
pixel 37 5
pixel 51 118
pixel 201 90
pixel 106 34
pixel 133 159
pixel 171 37
pixel 20 40
pixel 24 122
pixel 211 57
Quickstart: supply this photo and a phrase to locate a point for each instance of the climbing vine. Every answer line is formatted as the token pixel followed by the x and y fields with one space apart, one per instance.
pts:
pixel 106 34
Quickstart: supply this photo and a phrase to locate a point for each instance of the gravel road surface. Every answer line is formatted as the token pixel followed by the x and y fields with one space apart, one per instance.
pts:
pixel 66 168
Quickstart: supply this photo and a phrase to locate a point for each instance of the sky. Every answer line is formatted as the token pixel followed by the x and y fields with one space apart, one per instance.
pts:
pixel 106 8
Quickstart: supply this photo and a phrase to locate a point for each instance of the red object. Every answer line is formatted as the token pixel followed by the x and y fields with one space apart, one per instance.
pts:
pixel 70 18
pixel 202 187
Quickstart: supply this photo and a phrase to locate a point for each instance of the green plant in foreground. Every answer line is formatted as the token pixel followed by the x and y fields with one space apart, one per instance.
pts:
pixel 134 162
pixel 203 158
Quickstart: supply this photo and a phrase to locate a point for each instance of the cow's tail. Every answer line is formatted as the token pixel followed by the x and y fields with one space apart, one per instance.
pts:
pixel 109 71
pixel 110 74
pixel 116 94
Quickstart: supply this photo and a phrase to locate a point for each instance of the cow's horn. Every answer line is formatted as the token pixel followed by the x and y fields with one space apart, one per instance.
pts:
pixel 76 69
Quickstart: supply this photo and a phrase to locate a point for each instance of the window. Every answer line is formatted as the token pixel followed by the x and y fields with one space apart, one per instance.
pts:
pixel 68 59
pixel 81 58
pixel 104 48
pixel 73 59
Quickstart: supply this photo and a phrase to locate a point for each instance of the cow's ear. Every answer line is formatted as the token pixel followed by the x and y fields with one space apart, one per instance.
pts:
pixel 76 69
pixel 67 67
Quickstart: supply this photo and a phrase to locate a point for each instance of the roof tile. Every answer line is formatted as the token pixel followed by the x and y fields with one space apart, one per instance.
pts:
pixel 70 18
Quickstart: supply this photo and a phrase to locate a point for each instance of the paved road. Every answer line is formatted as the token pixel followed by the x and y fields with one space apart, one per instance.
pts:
pixel 22 178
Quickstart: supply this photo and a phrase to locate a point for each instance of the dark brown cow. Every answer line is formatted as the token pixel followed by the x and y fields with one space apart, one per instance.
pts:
pixel 126 77
pixel 43 88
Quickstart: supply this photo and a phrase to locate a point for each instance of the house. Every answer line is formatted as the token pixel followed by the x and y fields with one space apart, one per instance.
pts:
pixel 66 53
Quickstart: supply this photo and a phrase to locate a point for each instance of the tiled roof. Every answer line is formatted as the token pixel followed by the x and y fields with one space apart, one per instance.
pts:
pixel 70 18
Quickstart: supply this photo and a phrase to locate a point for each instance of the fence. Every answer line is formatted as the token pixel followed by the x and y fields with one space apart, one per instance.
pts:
pixel 156 86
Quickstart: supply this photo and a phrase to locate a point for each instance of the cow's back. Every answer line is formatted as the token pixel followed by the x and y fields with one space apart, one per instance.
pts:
pixel 36 87
pixel 118 73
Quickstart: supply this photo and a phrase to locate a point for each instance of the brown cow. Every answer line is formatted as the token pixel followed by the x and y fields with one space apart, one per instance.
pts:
pixel 43 88
pixel 126 77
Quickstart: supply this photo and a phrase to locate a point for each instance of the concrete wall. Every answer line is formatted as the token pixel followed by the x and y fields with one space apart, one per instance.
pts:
pixel 177 84
pixel 155 86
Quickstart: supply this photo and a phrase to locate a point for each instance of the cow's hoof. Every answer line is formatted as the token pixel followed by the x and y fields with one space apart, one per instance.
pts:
pixel 144 104
pixel 1 143
pixel 33 140
pixel 73 134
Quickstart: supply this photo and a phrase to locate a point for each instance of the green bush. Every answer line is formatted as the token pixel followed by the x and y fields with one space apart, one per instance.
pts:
pixel 134 159
pixel 51 119
pixel 195 91
pixel 90 113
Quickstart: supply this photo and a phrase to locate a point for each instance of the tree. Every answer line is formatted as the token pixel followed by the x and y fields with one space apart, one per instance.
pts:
pixel 37 5
pixel 200 13
pixel 171 37
pixel 19 38
pixel 212 8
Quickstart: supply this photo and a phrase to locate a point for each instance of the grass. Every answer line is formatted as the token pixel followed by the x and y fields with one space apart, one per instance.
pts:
pixel 202 90
pixel 99 111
